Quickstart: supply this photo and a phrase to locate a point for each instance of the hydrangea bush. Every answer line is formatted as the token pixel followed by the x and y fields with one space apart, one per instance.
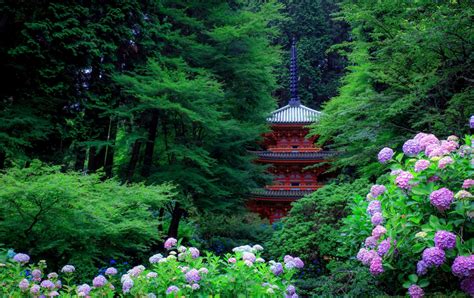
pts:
pixel 422 218
pixel 183 272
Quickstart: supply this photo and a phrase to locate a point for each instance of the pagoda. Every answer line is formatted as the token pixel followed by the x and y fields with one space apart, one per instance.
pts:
pixel 292 157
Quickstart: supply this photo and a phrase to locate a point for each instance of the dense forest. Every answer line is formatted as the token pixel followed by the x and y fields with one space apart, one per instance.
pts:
pixel 124 123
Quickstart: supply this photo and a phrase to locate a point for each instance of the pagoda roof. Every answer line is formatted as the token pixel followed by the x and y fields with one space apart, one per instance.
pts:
pixel 262 193
pixel 294 113
pixel 269 155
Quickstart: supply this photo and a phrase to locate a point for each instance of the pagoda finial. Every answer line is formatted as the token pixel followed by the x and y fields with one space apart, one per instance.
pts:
pixel 294 100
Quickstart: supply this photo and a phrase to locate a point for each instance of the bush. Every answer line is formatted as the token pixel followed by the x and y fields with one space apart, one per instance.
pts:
pixel 422 238
pixel 184 272
pixel 74 218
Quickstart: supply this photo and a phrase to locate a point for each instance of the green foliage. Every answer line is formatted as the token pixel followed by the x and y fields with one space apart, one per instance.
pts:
pixel 191 274
pixel 70 217
pixel 412 221
pixel 410 70
pixel 226 231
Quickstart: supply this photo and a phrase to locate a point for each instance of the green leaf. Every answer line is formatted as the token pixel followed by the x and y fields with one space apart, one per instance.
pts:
pixel 424 283
pixel 413 278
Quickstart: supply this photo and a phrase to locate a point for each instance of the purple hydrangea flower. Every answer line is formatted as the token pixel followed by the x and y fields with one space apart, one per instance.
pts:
pixel 203 270
pixel 172 289
pixel 449 146
pixel 468 183
pixel 298 263
pixel 366 256
pixel 192 276
pixel 290 265
pixel 463 266
pixel 421 268
pixel 137 270
pixel 24 284
pixel 434 256
pixel 445 240
pixel 384 247
pixel 277 268
pixel 434 150
pixel 385 155
pixel 376 190
pixel 287 259
pixel 378 231
pixel 412 148
pixel 21 258
pixel 403 180
pixel 441 198
pixel 58 284
pixel 195 287
pixel 376 267
pixel 371 241
pixel 170 242
pixel 467 285
pixel 68 269
pixel 127 284
pixel 377 219
pixel 471 122
pixel 155 258
pixel 444 162
pixel 426 140
pixel 374 207
pixel 194 252
pixel 99 281
pixel 36 274
pixel 35 289
pixel 290 290
pixel 85 288
pixel 421 165
pixel 151 274
pixel 53 294
pixel 415 291
pixel 111 271
pixel 248 256
pixel 48 284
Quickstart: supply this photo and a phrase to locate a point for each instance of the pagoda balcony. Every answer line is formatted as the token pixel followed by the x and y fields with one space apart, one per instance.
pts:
pixel 311 187
pixel 295 155
pixel 279 195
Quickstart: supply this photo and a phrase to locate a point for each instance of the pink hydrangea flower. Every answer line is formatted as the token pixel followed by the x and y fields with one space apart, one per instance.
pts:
pixel 99 281
pixel 111 271
pixel 192 276
pixel 248 256
pixel 421 165
pixel 376 190
pixel 371 241
pixel 170 242
pixel 442 198
pixel 449 146
pixel 403 180
pixel 376 267
pixel 444 162
pixel 378 231
pixel 232 260
pixel 24 284
pixel 366 256
pixel 468 183
pixel 426 140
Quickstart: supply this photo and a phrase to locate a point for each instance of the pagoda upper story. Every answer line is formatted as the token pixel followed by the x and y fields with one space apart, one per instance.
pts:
pixel 292 156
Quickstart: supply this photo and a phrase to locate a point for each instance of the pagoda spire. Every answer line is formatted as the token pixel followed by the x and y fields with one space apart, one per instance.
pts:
pixel 294 100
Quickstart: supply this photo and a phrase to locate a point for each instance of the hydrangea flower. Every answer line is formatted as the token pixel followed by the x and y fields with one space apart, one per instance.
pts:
pixel 371 241
pixel 378 231
pixel 203 270
pixel 151 274
pixel 257 247
pixel 421 268
pixel 444 162
pixel 468 183
pixel 135 271
pixel 374 207
pixel 298 262
pixel 260 260
pixel 155 258
pixel 453 138
pixel 21 258
pixel 445 240
pixel 434 256
pixel 366 256
pixel 277 269
pixel 232 260
pixel 53 294
pixel 53 275
pixel 462 194
pixel 467 285
pixel 24 284
pixel 411 148
pixel 376 267
pixel 463 266
pixel 403 180
pixel 182 248
pixel 172 289
pixel 84 288
pixel 426 139
pixel 290 265
pixel 415 291
pixel 465 150
pixel 248 256
pixel 170 242
pixel 441 198
pixel 195 287
pixel 385 155
pixel 48 284
pixel 290 290
pixel 377 219
pixel 248 263
pixel 287 258
pixel 58 284
pixel 35 289
pixel 376 190
pixel 127 284
pixel 449 146
pixel 384 247
pixel 192 276
pixel 99 281
pixel 111 271
pixel 421 165
pixel 194 252
pixel 36 274
pixel 68 269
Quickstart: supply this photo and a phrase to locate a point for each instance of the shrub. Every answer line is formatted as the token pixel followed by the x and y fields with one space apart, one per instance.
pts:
pixel 74 218
pixel 184 272
pixel 422 219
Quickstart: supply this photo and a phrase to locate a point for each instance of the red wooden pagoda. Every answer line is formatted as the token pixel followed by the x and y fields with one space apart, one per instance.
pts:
pixel 289 152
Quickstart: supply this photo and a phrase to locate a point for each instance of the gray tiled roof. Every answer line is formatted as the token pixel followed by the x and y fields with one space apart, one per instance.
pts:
pixel 294 194
pixel 295 155
pixel 294 114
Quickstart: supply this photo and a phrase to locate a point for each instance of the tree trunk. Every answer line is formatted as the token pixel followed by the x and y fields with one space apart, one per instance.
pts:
pixel 132 164
pixel 161 214
pixel 2 159
pixel 80 159
pixel 175 218
pixel 150 144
